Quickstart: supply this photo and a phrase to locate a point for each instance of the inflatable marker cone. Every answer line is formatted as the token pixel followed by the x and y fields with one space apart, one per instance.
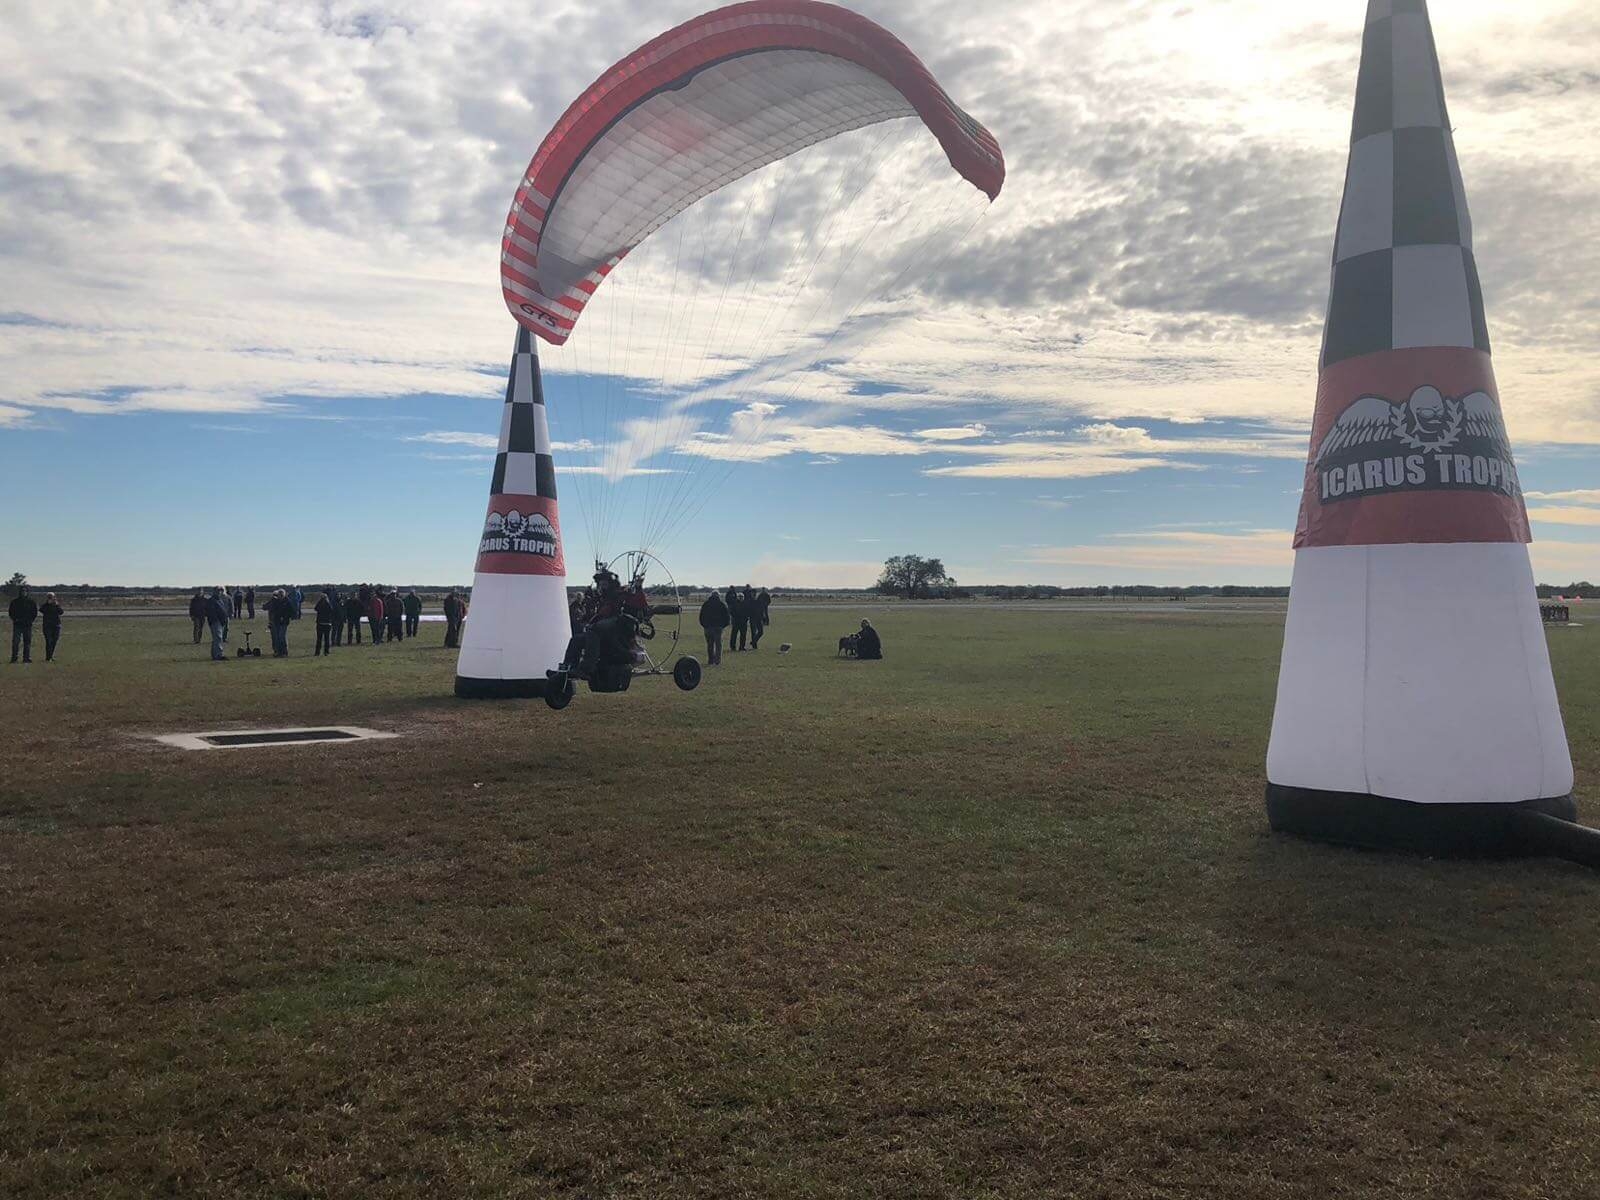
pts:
pixel 1416 708
pixel 518 627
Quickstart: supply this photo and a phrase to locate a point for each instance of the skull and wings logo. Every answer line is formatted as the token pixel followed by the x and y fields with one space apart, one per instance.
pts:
pixel 1427 421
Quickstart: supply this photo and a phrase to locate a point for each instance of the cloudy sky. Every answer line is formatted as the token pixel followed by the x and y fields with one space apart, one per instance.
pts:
pixel 250 321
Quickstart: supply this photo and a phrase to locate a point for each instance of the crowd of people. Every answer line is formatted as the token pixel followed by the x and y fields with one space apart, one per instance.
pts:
pixel 390 616
pixel 604 617
pixel 747 614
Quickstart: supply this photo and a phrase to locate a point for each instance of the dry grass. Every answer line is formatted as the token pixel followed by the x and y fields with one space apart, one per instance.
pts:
pixel 997 917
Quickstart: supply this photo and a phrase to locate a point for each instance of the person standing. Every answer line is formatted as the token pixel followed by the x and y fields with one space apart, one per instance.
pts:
pixel 50 623
pixel 394 612
pixel 197 613
pixel 764 608
pixel 337 601
pixel 352 619
pixel 454 609
pixel 325 610
pixel 736 615
pixel 238 602
pixel 217 609
pixel 753 615
pixel 413 607
pixel 280 611
pixel 713 620
pixel 250 602
pixel 221 593
pixel 375 616
pixel 298 599
pixel 23 613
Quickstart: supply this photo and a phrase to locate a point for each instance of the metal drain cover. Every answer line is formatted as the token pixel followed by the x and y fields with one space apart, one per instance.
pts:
pixel 238 739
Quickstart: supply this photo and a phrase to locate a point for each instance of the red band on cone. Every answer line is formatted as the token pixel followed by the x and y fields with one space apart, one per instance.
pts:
pixel 521 536
pixel 1407 447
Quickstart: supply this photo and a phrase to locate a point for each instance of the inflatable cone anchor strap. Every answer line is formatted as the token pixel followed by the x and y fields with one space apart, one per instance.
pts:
pixel 1416 709
pixel 518 627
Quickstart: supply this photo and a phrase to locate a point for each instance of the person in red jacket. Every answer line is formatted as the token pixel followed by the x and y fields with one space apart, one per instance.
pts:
pixel 375 615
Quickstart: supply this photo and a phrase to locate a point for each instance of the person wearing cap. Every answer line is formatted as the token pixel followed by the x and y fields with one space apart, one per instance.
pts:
pixel 280 611
pixel 217 608
pixel 197 613
pixel 50 622
pixel 325 610
pixel 23 613
pixel 714 619
pixel 868 644
pixel 413 606
pixel 737 617
pixel 394 612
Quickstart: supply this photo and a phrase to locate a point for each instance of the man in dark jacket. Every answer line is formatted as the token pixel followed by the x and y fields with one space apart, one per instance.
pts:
pixel 764 607
pixel 238 603
pixel 197 614
pixel 394 613
pixel 338 612
pixel 867 643
pixel 325 610
pixel 352 619
pixel 737 618
pixel 454 610
pixel 23 613
pixel 250 602
pixel 50 622
pixel 413 607
pixel 280 611
pixel 752 612
pixel 217 610
pixel 714 619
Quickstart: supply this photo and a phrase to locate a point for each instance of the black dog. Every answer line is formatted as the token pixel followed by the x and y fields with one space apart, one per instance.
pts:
pixel 847 645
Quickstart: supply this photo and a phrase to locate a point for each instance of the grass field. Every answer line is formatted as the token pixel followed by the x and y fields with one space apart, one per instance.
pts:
pixel 996 917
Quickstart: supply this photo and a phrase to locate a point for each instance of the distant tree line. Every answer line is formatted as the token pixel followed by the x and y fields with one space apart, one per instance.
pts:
pixel 1584 591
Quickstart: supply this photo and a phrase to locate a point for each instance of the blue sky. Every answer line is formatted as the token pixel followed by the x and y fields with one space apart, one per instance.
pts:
pixel 251 326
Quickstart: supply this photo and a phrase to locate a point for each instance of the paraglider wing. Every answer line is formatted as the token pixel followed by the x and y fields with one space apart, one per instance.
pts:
pixel 696 109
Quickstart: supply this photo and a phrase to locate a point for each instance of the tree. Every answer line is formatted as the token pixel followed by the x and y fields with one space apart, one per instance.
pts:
pixel 914 577
pixel 15 583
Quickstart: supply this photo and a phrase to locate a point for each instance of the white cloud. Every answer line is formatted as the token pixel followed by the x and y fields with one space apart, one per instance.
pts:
pixel 1580 496
pixel 1207 555
pixel 446 437
pixel 958 433
pixel 1561 514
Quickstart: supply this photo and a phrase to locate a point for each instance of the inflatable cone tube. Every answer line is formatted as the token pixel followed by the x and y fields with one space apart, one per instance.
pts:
pixel 518 627
pixel 1416 708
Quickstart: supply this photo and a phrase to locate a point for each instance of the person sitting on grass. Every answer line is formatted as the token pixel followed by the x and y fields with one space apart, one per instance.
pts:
pixel 867 643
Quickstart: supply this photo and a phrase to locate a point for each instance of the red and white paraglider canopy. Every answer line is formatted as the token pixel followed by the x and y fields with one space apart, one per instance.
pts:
pixel 698 108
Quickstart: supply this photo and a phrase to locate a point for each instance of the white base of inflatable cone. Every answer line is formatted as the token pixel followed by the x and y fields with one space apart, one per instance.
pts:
pixel 517 630
pixel 1416 708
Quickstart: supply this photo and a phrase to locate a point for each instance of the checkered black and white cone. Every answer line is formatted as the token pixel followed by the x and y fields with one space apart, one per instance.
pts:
pixel 518 626
pixel 1415 702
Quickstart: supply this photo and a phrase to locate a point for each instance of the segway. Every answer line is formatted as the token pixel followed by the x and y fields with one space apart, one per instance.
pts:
pixel 246 651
